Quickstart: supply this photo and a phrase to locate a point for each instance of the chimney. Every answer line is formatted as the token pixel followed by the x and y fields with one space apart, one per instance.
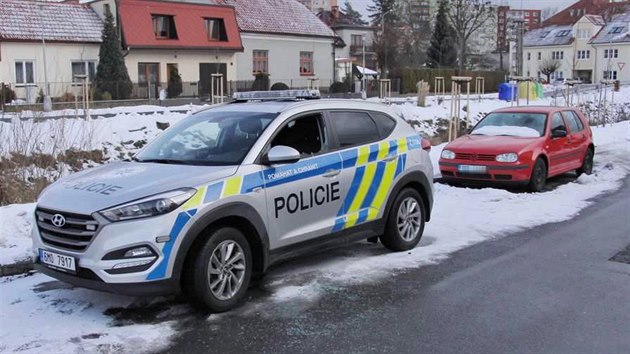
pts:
pixel 334 9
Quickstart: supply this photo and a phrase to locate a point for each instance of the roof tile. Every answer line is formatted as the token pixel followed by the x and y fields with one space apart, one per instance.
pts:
pixel 63 22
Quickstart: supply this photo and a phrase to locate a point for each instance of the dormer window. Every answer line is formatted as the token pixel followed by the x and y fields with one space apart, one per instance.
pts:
pixel 545 34
pixel 215 28
pixel 615 30
pixel 164 27
pixel 563 33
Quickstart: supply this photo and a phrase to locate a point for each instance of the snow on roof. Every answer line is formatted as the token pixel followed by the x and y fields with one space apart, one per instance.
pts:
pixel 550 35
pixel 277 16
pixel 596 20
pixel 615 31
pixel 64 22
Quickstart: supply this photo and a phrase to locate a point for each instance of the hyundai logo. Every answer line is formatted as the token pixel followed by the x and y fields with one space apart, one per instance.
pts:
pixel 58 220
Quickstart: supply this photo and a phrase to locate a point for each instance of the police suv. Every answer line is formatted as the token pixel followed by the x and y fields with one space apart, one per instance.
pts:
pixel 226 192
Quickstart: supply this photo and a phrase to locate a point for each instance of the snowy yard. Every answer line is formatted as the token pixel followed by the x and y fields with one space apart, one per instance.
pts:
pixel 38 314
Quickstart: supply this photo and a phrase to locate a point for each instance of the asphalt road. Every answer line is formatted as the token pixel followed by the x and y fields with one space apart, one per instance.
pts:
pixel 551 289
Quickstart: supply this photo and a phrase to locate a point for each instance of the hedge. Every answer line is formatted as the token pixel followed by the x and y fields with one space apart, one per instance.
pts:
pixel 410 78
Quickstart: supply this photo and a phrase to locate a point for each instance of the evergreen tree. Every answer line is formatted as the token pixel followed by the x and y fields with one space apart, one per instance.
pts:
pixel 174 88
pixel 111 74
pixel 353 14
pixel 441 52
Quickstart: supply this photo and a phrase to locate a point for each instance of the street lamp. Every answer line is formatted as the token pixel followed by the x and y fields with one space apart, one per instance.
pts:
pixel 363 78
pixel 384 74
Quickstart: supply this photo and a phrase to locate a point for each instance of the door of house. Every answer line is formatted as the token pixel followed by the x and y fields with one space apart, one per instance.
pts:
pixel 205 78
pixel 148 79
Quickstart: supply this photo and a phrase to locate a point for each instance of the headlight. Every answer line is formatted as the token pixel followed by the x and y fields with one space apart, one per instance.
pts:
pixel 509 157
pixel 150 206
pixel 448 154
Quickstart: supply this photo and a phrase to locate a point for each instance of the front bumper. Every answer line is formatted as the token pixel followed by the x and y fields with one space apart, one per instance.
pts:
pixel 501 174
pixel 97 271
pixel 88 279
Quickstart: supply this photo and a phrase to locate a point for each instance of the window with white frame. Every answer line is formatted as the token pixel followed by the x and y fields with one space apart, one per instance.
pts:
pixel 610 75
pixel 85 67
pixel 557 55
pixel 583 54
pixel 611 53
pixel 539 55
pixel 529 56
pixel 24 72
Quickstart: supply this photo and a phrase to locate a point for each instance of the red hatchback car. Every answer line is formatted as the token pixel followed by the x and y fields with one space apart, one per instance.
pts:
pixel 521 146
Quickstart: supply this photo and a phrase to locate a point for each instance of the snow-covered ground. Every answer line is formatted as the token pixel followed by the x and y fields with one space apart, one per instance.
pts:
pixel 38 314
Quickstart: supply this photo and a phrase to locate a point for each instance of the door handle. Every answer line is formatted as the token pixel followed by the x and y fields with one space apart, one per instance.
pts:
pixel 332 173
pixel 390 158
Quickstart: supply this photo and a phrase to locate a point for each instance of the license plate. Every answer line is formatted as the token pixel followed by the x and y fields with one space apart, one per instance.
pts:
pixel 471 169
pixel 58 261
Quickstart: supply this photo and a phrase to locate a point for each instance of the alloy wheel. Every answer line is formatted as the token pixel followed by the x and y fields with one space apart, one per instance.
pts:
pixel 409 219
pixel 226 270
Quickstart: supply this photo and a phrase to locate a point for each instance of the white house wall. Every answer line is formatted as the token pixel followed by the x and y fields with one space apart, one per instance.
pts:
pixel 284 58
pixel 187 62
pixel 59 58
pixel 532 66
pixel 602 64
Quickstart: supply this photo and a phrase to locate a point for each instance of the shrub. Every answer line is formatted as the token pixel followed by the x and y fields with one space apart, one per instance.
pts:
pixel 7 94
pixel 261 83
pixel 67 97
pixel 279 86
pixel 339 87
pixel 106 96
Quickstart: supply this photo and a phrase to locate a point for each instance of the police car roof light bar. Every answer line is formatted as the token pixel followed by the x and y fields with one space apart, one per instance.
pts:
pixel 276 95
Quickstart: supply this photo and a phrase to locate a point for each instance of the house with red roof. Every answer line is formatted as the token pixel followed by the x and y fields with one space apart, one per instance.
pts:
pixel 159 37
pixel 235 38
pixel 45 45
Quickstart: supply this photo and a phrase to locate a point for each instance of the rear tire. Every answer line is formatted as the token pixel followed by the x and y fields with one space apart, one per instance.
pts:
pixel 221 270
pixel 587 163
pixel 538 178
pixel 405 222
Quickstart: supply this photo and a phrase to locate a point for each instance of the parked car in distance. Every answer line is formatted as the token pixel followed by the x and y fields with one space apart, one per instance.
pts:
pixel 520 146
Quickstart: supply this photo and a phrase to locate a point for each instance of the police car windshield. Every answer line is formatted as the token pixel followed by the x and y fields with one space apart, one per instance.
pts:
pixel 211 138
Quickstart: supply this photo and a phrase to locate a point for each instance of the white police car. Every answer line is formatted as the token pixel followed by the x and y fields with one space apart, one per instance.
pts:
pixel 231 190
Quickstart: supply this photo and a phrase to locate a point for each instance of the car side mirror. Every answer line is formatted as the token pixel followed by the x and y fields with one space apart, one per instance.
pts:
pixel 282 154
pixel 559 133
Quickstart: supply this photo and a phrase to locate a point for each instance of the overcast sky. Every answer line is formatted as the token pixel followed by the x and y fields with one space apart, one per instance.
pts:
pixel 528 4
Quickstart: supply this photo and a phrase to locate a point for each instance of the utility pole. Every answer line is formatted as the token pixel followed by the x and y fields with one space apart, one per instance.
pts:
pixel 521 32
pixel 47 101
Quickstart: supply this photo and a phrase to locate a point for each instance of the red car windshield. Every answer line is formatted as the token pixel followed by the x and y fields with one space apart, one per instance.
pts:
pixel 527 125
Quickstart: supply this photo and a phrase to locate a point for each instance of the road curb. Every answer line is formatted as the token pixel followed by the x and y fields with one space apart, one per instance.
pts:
pixel 16 268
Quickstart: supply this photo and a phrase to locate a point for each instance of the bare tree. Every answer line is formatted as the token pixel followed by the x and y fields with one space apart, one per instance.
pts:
pixel 467 16
pixel 549 66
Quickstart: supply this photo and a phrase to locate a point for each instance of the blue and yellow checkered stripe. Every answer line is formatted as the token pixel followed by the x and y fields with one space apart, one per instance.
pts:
pixel 375 173
pixel 372 181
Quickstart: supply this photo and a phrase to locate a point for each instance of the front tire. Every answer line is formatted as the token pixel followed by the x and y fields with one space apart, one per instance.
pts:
pixel 222 270
pixel 538 178
pixel 587 163
pixel 405 222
